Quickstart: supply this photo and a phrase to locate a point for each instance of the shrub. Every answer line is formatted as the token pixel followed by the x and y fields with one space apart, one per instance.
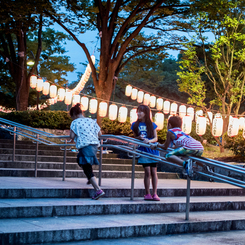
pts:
pixel 236 144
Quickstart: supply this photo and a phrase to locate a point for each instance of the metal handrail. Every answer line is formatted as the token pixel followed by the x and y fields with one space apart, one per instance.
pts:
pixel 130 147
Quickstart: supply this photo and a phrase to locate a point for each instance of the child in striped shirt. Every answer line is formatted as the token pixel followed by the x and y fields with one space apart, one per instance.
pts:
pixel 184 144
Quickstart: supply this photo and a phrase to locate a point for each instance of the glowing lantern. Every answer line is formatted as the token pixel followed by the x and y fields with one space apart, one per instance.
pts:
pixel 33 81
pixel 166 107
pixel 152 101
pixel 190 112
pixel 134 94
pixel 241 123
pixel 159 104
pixel 133 115
pixel 173 109
pixel 128 90
pixel 201 125
pixel 182 111
pixel 39 86
pixel 51 101
pixel 159 120
pixel 146 99
pixel 93 103
pixel 102 109
pixel 76 99
pixel 217 115
pixel 84 103
pixel 233 127
pixel 217 128
pixel 186 124
pixel 46 86
pixel 55 100
pixel 198 114
pixel 122 115
pixel 113 112
pixel 53 91
pixel 68 97
pixel 140 97
pixel 61 94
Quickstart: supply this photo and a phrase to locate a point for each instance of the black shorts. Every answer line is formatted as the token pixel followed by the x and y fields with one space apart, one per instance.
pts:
pixel 153 165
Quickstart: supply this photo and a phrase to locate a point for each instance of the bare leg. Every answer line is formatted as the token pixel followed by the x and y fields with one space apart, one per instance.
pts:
pixel 154 179
pixel 93 181
pixel 147 179
pixel 176 160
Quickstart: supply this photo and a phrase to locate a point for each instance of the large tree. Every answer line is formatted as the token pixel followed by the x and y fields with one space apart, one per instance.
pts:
pixel 221 67
pixel 120 25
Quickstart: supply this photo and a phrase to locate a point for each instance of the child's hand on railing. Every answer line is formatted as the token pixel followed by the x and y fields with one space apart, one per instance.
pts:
pixel 153 146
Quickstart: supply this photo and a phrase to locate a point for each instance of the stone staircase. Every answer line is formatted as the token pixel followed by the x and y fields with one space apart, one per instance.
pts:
pixel 50 163
pixel 49 210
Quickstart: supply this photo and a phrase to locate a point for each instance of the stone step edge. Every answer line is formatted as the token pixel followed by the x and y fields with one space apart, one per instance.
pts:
pixel 84 228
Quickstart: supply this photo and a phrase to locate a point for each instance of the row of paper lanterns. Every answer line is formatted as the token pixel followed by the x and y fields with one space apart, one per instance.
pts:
pixel 61 94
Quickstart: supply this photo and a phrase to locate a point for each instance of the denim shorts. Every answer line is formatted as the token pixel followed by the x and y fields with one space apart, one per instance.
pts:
pixel 181 151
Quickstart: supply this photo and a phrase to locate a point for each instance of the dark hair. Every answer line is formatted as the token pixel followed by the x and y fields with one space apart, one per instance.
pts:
pixel 175 121
pixel 76 110
pixel 148 122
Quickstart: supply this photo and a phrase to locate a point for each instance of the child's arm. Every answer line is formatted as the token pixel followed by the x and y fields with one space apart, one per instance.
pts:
pixel 140 137
pixel 152 140
pixel 72 135
pixel 167 142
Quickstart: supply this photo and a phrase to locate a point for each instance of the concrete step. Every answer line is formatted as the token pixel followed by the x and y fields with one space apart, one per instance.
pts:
pixel 51 173
pixel 56 152
pixel 53 158
pixel 69 166
pixel 94 227
pixel 25 187
pixel 50 207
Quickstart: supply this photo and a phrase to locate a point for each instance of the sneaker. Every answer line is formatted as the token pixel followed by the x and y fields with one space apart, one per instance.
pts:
pixel 148 197
pixel 98 194
pixel 188 167
pixel 155 197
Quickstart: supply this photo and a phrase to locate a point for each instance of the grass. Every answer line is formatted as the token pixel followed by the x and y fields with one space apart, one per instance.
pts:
pixel 213 152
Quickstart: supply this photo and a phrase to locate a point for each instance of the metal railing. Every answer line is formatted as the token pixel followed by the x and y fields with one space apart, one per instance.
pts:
pixel 129 145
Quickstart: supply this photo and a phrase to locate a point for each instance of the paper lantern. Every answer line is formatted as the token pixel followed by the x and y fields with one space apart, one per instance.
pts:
pixel 133 115
pixel 46 86
pixel 53 91
pixel 182 111
pixel 103 109
pixel 134 94
pixel 217 128
pixel 173 109
pixel 140 97
pixel 159 104
pixel 186 124
pixel 233 127
pixel 166 107
pixel 241 123
pixel 190 112
pixel 39 86
pixel 159 120
pixel 146 99
pixel 217 115
pixel 68 97
pixel 198 114
pixel 128 90
pixel 55 100
pixel 201 125
pixel 93 103
pixel 152 101
pixel 61 94
pixel 122 115
pixel 84 103
pixel 33 81
pixel 113 112
pixel 76 99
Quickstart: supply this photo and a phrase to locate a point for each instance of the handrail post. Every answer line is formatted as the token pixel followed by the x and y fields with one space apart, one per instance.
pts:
pixel 133 174
pixel 101 157
pixel 14 144
pixel 64 162
pixel 36 156
pixel 188 192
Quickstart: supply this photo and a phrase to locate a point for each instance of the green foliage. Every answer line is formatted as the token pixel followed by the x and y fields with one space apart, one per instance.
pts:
pixel 40 119
pixel 236 144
